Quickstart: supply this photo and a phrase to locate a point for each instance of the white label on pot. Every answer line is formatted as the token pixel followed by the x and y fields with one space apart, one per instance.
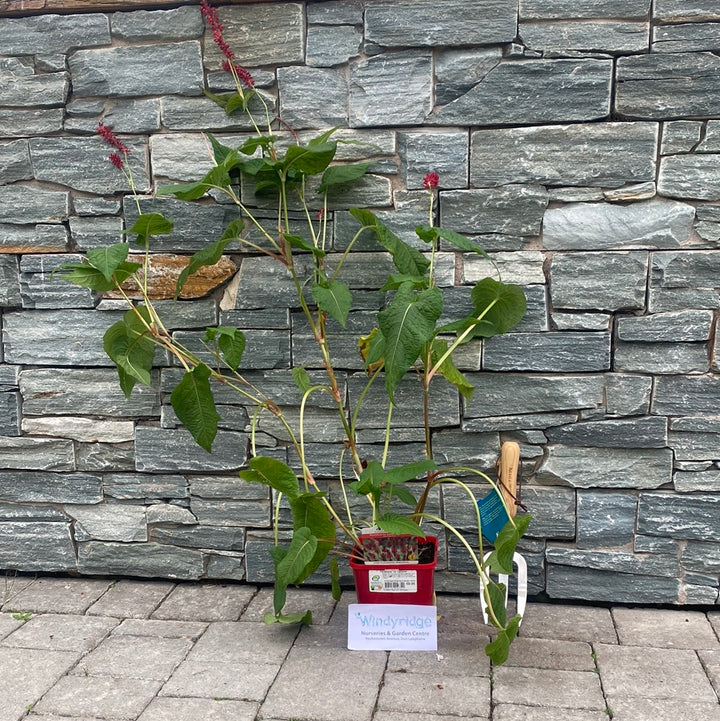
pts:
pixel 393 581
pixel 392 627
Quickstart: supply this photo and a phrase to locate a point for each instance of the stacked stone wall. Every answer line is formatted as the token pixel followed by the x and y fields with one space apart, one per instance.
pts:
pixel 577 141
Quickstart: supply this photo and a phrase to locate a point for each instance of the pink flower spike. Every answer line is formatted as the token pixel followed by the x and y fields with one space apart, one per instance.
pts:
pixel 431 181
pixel 110 138
pixel 116 160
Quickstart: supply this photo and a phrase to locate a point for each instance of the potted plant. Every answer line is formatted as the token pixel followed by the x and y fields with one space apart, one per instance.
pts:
pixel 410 338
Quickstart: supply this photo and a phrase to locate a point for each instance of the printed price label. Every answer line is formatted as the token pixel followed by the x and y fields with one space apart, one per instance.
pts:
pixel 393 581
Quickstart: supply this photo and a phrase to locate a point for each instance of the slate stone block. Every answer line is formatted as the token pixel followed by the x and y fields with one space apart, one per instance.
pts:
pixel 41 487
pixel 457 70
pixel 260 34
pixel 686 269
pixel 10 414
pixel 221 512
pixel 163 450
pixel 566 352
pixel 35 90
pixel 680 136
pixel 312 97
pixel 607 281
pixel 37 454
pixel 14 161
pixel 109 522
pixel 9 282
pixel 695 438
pixel 690 176
pixel 184 23
pixel 659 358
pixel 693 517
pixel 606 155
pixel 682 11
pixel 667 85
pixel 129 486
pixel 37 546
pixel 671 299
pixel 223 538
pixel 599 226
pixel 22 204
pixel 566 9
pixel 647 432
pixel 129 71
pixel 40 238
pixel 522 394
pixel 329 45
pixel 702 557
pixel 336 12
pixel 391 89
pixel 586 35
pixel 445 153
pixel 478 450
pixel 686 395
pixel 605 520
pixel 15 122
pixel 511 209
pixel 57 160
pixel 619 561
pixel 462 22
pixel 64 391
pixel 524 92
pixel 53 33
pixel 148 560
pixel 690 37
pixel 678 326
pixel 552 509
pixel 692 481
pixel 590 467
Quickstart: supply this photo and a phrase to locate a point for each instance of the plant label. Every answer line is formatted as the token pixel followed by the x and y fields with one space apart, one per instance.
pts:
pixel 493 515
pixel 392 627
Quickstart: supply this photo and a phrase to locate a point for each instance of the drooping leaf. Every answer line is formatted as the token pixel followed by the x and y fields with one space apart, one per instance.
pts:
pixel 289 619
pixel 310 159
pixel 498 650
pixel 277 553
pixel 364 217
pixel 209 255
pixel 193 403
pixel 107 259
pixel 407 259
pixel 273 473
pixel 130 347
pixel 220 151
pixel 403 494
pixel 149 224
pixel 398 524
pixel 335 588
pixel 407 324
pixel 297 241
pixel 460 241
pixel 507 301
pixel 299 555
pixel 309 511
pixel 501 559
pixel 496 608
pixel 426 233
pixel 341 174
pixel 255 142
pixel 334 298
pixel 448 370
pixel 301 378
pixel 231 343
pixel 395 280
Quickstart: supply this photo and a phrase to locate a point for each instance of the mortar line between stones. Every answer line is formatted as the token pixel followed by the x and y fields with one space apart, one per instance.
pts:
pixel 381 685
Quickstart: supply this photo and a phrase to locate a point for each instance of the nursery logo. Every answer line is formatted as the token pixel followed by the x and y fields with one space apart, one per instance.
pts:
pixel 390 627
pixel 388 621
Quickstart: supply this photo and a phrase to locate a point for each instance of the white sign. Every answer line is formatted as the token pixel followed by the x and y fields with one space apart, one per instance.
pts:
pixel 392 627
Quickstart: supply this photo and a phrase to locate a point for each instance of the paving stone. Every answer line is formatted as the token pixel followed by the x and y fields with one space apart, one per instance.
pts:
pixel 512 712
pixel 648 673
pixel 624 709
pixel 139 657
pixel 664 629
pixel 569 623
pixel 551 654
pixel 105 697
pixel 131 599
pixel 381 715
pixel 418 693
pixel 161 629
pixel 456 656
pixel 177 709
pixel 58 595
pixel 66 632
pixel 711 663
pixel 299 600
pixel 26 674
pixel 544 687
pixel 205 602
pixel 8 623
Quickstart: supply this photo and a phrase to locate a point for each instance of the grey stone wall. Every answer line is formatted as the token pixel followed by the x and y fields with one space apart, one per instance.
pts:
pixel 579 142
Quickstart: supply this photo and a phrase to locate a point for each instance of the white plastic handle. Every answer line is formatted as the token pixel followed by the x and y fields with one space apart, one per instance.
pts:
pixel 522 585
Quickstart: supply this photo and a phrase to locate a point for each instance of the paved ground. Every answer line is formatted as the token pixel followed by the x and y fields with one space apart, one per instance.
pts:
pixel 87 649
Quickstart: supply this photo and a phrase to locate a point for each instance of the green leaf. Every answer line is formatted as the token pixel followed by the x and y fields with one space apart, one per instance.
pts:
pixel 257 141
pixel 277 553
pixel 238 102
pixel 273 473
pixel 297 241
pixel 460 241
pixel 311 159
pixel 403 495
pixel 209 255
pixel 289 619
pixel 448 370
pixel 407 472
pixel 334 298
pixel 323 137
pixel 148 224
pixel 498 650
pixel 86 276
pixel 407 259
pixel 365 217
pixel 399 524
pixel 301 378
pixel 131 349
pixel 220 151
pixel 395 280
pixel 193 403
pixel 407 324
pixel 340 174
pixel 496 608
pixel 220 99
pixel 309 511
pixel 231 343
pixel 508 305
pixel 426 233
pixel 299 555
pixel 107 260
pixel 501 559
pixel 335 588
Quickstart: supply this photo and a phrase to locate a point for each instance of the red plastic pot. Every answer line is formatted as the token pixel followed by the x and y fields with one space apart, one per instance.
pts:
pixel 406 583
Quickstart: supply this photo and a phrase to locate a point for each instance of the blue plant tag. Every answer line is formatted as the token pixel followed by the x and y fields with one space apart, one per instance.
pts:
pixel 493 515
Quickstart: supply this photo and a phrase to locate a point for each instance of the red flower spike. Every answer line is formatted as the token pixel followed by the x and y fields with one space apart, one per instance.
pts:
pixel 116 160
pixel 243 75
pixel 431 181
pixel 110 138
